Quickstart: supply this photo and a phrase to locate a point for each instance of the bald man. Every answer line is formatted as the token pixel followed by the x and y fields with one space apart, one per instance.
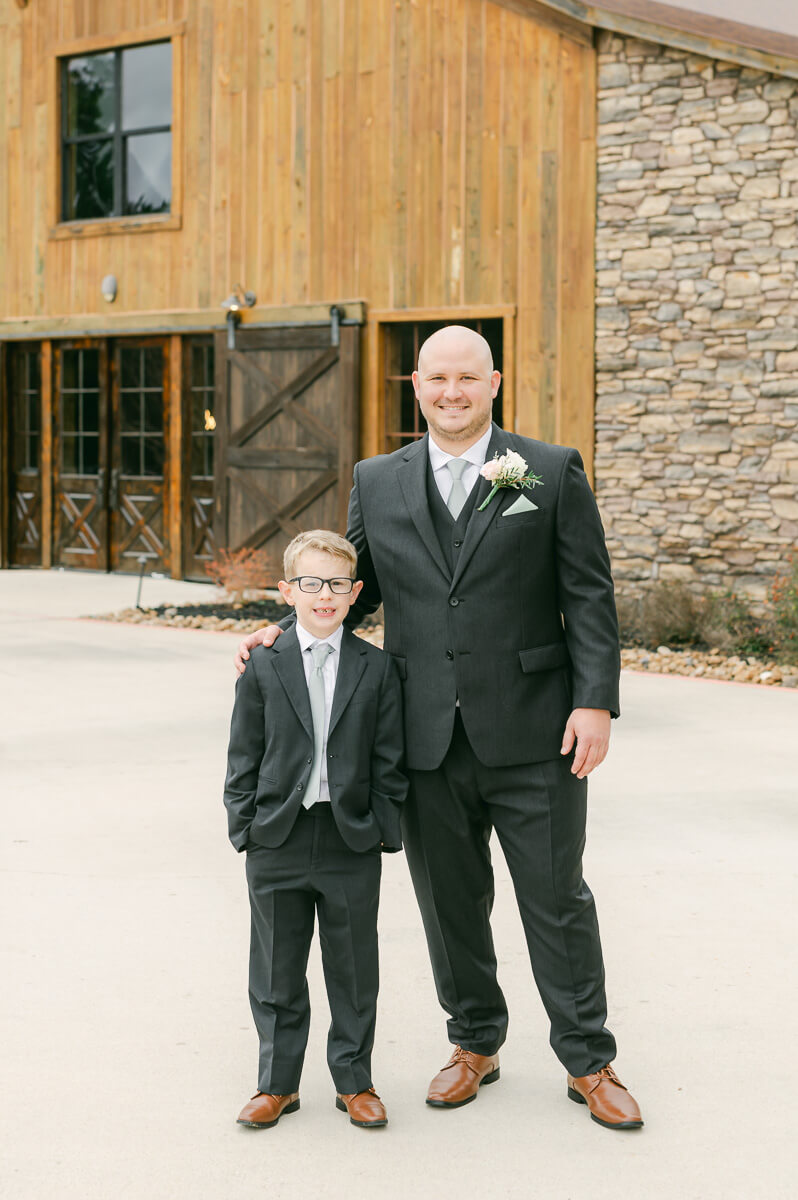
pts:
pixel 501 619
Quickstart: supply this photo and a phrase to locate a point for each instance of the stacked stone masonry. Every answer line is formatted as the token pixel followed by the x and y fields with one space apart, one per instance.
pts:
pixel 697 318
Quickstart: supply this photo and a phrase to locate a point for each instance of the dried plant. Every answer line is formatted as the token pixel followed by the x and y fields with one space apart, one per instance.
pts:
pixel 242 572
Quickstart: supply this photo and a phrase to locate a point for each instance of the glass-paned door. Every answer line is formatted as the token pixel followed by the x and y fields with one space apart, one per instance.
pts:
pixel 25 442
pixel 80 457
pixel 199 426
pixel 138 479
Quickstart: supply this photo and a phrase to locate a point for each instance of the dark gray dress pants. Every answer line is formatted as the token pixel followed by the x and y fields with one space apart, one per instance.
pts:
pixel 314 871
pixel 538 811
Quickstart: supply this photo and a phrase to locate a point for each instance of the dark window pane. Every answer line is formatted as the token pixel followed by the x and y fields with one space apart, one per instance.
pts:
pixel 209 455
pixel 33 413
pixel 33 372
pixel 153 456
pixel 130 411
pixel 148 173
pixel 91 368
pixel 209 365
pixel 91 454
pixel 69 369
pixel 89 181
pixel 21 451
pixel 147 86
pixel 90 94
pixel 69 454
pixel 70 409
pixel 197 366
pixel 20 412
pixel 130 368
pixel 153 412
pixel 33 451
pixel 197 412
pixel 131 464
pixel 197 458
pixel 153 367
pixel 91 412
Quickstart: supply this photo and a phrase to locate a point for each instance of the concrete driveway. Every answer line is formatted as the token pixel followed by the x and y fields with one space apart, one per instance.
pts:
pixel 128 1044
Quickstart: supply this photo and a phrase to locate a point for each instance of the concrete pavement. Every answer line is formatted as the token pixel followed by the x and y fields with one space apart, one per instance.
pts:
pixel 128 1044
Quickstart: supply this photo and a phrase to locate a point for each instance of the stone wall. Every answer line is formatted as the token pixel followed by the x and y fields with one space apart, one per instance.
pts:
pixel 697 318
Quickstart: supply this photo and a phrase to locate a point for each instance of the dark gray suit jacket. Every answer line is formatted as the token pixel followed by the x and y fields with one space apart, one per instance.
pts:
pixel 271 746
pixel 522 632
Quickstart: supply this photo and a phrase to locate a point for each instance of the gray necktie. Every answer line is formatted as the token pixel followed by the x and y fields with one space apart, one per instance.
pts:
pixel 457 496
pixel 319 650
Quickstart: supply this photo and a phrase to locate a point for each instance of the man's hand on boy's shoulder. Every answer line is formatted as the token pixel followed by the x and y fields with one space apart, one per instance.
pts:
pixel 261 637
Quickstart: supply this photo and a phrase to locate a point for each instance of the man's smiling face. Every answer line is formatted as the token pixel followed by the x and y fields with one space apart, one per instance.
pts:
pixel 455 385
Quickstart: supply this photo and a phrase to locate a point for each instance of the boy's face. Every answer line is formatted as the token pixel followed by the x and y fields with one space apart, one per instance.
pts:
pixel 320 612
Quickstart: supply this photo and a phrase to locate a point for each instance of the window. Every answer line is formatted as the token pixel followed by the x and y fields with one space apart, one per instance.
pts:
pixel 116 138
pixel 203 421
pixel 27 408
pixel 403 420
pixel 141 393
pixel 80 412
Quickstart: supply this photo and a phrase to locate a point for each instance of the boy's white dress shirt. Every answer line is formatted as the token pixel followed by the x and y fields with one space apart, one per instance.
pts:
pixel 329 674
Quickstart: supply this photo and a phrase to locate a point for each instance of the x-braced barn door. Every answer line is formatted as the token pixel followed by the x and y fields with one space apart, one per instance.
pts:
pixel 286 433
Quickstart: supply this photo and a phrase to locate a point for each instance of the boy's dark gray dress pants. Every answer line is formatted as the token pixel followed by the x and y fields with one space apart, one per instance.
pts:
pixel 314 871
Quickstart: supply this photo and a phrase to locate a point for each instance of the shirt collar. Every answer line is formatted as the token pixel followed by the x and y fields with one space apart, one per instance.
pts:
pixel 475 454
pixel 306 639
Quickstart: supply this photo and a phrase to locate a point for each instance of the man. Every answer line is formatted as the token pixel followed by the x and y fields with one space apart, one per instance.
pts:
pixel 500 615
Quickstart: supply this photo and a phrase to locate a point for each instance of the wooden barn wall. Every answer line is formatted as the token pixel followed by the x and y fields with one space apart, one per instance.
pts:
pixel 411 153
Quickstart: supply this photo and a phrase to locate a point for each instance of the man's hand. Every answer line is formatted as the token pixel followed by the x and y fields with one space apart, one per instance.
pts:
pixel 267 637
pixel 591 729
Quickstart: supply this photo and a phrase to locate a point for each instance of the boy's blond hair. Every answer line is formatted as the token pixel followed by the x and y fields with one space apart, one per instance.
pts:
pixel 319 539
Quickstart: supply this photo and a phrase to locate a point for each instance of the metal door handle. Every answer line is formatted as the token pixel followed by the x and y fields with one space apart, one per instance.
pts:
pixel 101 484
pixel 113 491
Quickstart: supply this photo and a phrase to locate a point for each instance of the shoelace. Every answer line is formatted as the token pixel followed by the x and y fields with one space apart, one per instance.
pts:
pixel 608 1074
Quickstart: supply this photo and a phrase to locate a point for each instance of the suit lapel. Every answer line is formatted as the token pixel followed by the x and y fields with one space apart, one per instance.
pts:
pixel 350 668
pixel 412 475
pixel 478 525
pixel 291 673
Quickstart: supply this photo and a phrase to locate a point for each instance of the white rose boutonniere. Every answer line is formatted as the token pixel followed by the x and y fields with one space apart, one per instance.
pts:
pixel 511 470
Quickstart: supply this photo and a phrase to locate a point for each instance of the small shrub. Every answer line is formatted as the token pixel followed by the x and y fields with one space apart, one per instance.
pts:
pixel 239 572
pixel 725 622
pixel 669 614
pixel 784 600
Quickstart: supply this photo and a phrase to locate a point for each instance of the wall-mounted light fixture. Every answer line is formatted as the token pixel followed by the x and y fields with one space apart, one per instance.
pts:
pixel 237 300
pixel 108 288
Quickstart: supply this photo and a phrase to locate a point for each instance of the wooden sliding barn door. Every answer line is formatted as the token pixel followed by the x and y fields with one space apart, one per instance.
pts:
pixel 287 413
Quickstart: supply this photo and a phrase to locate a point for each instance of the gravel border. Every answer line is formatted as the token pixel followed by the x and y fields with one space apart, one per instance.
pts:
pixel 700 664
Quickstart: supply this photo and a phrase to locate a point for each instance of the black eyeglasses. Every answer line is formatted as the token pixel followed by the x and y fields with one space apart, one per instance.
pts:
pixel 312 583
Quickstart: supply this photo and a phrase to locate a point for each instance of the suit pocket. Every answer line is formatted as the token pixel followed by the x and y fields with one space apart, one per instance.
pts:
pixel 516 520
pixel 544 658
pixel 401 665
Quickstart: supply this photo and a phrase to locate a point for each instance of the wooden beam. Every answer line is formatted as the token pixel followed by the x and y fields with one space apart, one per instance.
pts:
pixel 176 321
pixel 128 37
pixel 173 517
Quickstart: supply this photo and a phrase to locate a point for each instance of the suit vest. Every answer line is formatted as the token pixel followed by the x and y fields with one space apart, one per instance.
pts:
pixel 450 532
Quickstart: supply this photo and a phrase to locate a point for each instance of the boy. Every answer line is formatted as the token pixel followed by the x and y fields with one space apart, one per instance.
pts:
pixel 312 795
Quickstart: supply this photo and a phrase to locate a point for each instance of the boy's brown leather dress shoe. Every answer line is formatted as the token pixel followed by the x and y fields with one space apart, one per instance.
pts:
pixel 608 1100
pixel 265 1110
pixel 365 1108
pixel 459 1081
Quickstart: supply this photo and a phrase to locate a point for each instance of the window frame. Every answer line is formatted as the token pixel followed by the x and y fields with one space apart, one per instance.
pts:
pixel 60 227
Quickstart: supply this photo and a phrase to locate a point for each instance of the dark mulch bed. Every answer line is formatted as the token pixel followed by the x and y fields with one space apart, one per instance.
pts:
pixel 265 612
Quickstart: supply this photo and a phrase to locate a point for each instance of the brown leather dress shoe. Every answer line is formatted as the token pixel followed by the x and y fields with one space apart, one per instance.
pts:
pixel 608 1100
pixel 365 1108
pixel 459 1081
pixel 265 1110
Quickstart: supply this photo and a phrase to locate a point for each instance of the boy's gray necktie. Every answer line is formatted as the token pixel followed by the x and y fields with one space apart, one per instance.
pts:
pixel 457 496
pixel 319 650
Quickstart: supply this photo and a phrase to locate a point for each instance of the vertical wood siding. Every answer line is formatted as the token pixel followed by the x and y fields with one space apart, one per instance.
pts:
pixel 411 153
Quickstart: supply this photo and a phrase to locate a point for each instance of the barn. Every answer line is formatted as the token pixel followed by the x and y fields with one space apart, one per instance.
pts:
pixel 225 227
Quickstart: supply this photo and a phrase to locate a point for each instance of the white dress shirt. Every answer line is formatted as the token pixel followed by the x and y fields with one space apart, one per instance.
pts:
pixel 475 457
pixel 329 673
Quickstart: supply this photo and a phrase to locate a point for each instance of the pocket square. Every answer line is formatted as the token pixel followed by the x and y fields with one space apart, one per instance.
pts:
pixel 520 505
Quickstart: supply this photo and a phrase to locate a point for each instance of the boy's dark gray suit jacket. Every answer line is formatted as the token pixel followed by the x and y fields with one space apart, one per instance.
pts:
pixel 271 746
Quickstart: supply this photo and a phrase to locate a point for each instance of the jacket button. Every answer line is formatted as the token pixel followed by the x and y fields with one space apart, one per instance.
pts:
pixel 310 760
pixel 300 787
pixel 458 545
pixel 454 602
pixel 450 653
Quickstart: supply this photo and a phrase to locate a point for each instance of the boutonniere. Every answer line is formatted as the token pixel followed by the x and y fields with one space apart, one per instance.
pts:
pixel 511 470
